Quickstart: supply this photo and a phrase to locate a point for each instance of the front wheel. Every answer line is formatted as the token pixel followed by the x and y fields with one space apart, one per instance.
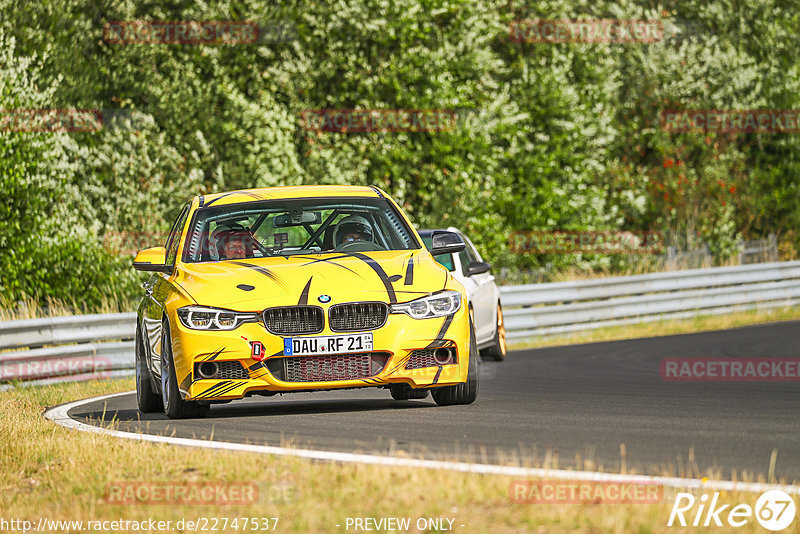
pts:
pixel 467 392
pixel 147 398
pixel 497 351
pixel 174 405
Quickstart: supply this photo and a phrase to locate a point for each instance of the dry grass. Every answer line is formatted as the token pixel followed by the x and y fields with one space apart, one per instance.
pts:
pixel 635 266
pixel 49 471
pixel 34 309
pixel 664 328
pixel 641 265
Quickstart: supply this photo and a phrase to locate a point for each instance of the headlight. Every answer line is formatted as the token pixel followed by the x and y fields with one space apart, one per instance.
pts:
pixel 201 318
pixel 438 305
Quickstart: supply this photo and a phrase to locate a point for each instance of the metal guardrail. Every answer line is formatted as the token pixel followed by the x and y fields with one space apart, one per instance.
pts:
pixel 40 351
pixel 77 347
pixel 562 307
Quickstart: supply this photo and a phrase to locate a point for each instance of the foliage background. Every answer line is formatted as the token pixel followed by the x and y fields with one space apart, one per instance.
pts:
pixel 551 136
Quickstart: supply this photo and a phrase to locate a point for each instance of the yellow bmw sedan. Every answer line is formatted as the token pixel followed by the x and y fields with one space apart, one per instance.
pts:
pixel 305 288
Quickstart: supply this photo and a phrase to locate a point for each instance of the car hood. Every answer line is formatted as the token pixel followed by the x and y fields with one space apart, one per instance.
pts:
pixel 257 283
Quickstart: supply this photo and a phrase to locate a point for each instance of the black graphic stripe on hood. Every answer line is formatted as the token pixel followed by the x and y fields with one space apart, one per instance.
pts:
pixel 246 193
pixel 442 330
pixel 219 197
pixel 328 260
pixel 304 295
pixel 380 272
pixel 410 271
pixel 263 270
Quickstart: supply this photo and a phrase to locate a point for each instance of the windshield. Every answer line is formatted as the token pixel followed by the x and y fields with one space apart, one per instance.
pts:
pixel 287 227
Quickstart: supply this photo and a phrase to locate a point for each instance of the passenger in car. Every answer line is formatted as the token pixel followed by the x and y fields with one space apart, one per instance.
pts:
pixel 234 244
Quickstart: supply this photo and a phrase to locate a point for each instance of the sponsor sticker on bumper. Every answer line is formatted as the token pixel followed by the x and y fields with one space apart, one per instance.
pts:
pixel 340 344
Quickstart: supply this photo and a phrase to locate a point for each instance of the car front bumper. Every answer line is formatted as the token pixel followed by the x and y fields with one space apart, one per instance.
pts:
pixel 394 345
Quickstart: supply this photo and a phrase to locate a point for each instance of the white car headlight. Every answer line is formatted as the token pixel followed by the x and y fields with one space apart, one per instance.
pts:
pixel 437 305
pixel 203 318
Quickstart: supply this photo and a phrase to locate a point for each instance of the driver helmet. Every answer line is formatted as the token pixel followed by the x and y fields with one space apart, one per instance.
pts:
pixel 352 224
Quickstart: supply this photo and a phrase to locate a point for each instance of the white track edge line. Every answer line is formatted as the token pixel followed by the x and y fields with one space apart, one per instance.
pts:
pixel 59 415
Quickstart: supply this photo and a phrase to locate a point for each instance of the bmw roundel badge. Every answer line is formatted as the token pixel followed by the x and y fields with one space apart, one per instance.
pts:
pixel 324 298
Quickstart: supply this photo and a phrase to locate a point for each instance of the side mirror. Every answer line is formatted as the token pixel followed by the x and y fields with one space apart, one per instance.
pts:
pixel 152 260
pixel 443 242
pixel 478 267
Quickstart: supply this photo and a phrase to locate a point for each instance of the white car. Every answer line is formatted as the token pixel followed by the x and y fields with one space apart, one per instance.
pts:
pixel 484 298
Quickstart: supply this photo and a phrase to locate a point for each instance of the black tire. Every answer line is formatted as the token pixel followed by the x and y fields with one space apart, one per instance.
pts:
pixel 174 405
pixel 497 351
pixel 467 392
pixel 147 398
pixel 406 392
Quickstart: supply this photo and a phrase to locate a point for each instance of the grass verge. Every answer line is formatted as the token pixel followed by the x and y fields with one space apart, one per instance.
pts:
pixel 31 308
pixel 59 474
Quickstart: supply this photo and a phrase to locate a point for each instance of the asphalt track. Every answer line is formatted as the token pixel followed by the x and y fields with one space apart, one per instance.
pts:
pixel 541 404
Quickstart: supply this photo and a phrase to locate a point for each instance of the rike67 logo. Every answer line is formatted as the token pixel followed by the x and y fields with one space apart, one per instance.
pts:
pixel 774 510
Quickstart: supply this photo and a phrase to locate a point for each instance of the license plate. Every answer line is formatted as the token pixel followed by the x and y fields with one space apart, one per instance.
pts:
pixel 342 344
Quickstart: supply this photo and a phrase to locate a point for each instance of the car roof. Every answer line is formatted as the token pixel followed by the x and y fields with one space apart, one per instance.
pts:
pixel 289 192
